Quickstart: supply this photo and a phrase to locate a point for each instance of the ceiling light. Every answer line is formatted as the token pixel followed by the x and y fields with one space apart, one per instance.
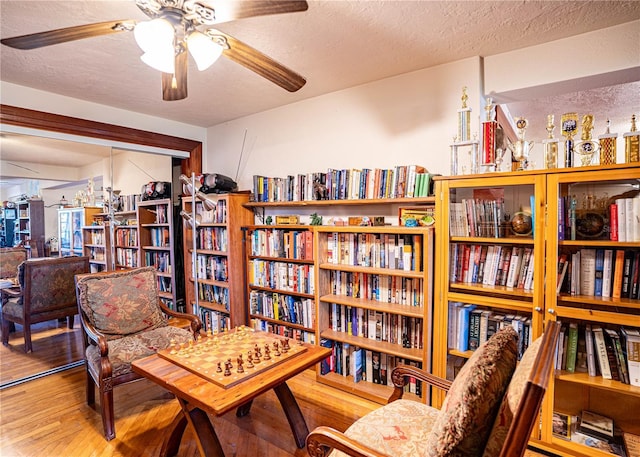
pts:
pixel 203 49
pixel 156 39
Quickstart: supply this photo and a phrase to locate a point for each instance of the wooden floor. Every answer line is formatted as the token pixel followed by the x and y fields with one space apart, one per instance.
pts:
pixel 48 416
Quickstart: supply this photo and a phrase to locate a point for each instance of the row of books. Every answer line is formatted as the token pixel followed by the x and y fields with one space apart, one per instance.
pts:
pixel 161 214
pixel 470 326
pixel 127 257
pixel 212 267
pixel 291 244
pixel 283 307
pixel 286 276
pixel 378 250
pixel 364 365
pixel 596 431
pixel 125 236
pixel 160 237
pixel 492 265
pixel 284 331
pixel 382 288
pixel 613 353
pixel 212 320
pixel 600 272
pixel 212 238
pixel 164 284
pixel 214 294
pixel 96 237
pixel 477 217
pixel 620 221
pixel 406 181
pixel 376 325
pixel 218 215
pixel 128 202
pixel 96 253
pixel 161 261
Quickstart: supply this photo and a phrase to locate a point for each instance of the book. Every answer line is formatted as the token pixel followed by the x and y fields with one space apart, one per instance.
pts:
pixel 572 347
pixel 596 425
pixel 587 271
pixel 635 277
pixel 618 268
pixel 622 219
pixel 474 329
pixel 601 352
pixel 563 265
pixel 631 349
pixel 357 364
pixel 626 274
pixel 631 444
pixel 514 266
pixel 464 314
pixel 599 273
pixel 591 361
pixel 564 425
pixel 607 271
pixel 613 222
pixel 621 364
pixel 611 356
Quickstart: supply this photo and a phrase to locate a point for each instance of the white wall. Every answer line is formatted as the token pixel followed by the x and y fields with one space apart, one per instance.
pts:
pixel 407 119
pixel 131 170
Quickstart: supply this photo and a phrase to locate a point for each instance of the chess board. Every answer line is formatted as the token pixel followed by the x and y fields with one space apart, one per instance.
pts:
pixel 209 356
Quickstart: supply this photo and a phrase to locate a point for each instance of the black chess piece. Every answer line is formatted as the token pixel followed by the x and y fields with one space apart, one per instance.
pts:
pixel 267 352
pixel 219 369
pixel 240 368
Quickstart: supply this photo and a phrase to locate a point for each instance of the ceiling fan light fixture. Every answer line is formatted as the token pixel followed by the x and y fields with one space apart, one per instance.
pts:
pixel 151 35
pixel 203 49
pixel 163 60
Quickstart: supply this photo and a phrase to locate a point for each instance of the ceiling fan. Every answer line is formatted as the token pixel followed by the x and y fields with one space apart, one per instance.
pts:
pixel 178 26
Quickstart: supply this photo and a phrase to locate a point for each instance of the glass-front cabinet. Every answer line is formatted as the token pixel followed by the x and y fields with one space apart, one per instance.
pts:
pixel 593 252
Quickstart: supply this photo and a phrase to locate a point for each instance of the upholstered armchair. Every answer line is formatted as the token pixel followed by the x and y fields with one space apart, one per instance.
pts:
pixel 123 320
pixel 489 411
pixel 10 258
pixel 46 292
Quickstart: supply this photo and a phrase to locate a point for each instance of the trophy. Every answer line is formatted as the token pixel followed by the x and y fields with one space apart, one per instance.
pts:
pixel 521 148
pixel 464 118
pixel 632 143
pixel 550 145
pixel 569 128
pixel 489 137
pixel 608 146
pixel 586 148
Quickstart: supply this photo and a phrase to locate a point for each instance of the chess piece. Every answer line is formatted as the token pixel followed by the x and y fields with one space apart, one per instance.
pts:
pixel 276 349
pixel 240 369
pixel 249 360
pixel 219 369
pixel 227 367
pixel 173 345
pixel 285 346
pixel 267 352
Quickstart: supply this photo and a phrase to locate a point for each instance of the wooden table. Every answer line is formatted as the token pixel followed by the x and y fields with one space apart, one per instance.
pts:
pixel 198 396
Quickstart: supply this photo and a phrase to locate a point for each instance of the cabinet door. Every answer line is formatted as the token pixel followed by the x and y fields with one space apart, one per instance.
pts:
pixel 77 220
pixel 593 253
pixel 491 253
pixel 64 232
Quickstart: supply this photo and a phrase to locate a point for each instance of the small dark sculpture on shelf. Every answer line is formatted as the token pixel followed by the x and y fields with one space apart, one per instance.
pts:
pixel 320 190
pixel 315 219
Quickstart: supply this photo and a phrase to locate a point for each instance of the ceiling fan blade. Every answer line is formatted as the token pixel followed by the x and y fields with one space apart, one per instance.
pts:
pixel 261 64
pixel 176 89
pixel 230 11
pixel 39 40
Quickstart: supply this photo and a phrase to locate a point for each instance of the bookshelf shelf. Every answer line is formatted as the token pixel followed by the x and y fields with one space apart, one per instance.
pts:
pixel 598 382
pixel 365 312
pixel 217 296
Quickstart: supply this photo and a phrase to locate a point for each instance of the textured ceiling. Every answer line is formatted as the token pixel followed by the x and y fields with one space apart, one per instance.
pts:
pixel 335 45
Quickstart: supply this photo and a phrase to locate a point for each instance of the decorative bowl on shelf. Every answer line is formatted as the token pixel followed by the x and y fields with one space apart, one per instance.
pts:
pixel 521 224
pixel 590 224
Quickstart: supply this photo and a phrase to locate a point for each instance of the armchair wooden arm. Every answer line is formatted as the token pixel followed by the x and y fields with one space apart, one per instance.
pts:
pixel 195 322
pixel 13 292
pixel 402 373
pixel 323 440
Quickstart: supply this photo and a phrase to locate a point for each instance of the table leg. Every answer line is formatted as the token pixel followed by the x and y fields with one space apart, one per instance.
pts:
pixel 293 413
pixel 206 438
pixel 243 410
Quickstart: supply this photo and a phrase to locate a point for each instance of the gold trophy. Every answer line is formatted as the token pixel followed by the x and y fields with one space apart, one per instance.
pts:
pixel 569 128
pixel 550 145
pixel 632 143
pixel 587 148
pixel 608 146
pixel 521 148
pixel 464 118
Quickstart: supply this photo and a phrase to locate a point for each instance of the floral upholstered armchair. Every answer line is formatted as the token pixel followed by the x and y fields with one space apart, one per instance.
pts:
pixel 123 320
pixel 489 410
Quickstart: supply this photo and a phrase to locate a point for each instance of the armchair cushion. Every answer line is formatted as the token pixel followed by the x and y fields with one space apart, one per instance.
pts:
pixel 511 400
pixel 10 259
pixel 123 303
pixel 123 351
pixel 398 429
pixel 470 407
